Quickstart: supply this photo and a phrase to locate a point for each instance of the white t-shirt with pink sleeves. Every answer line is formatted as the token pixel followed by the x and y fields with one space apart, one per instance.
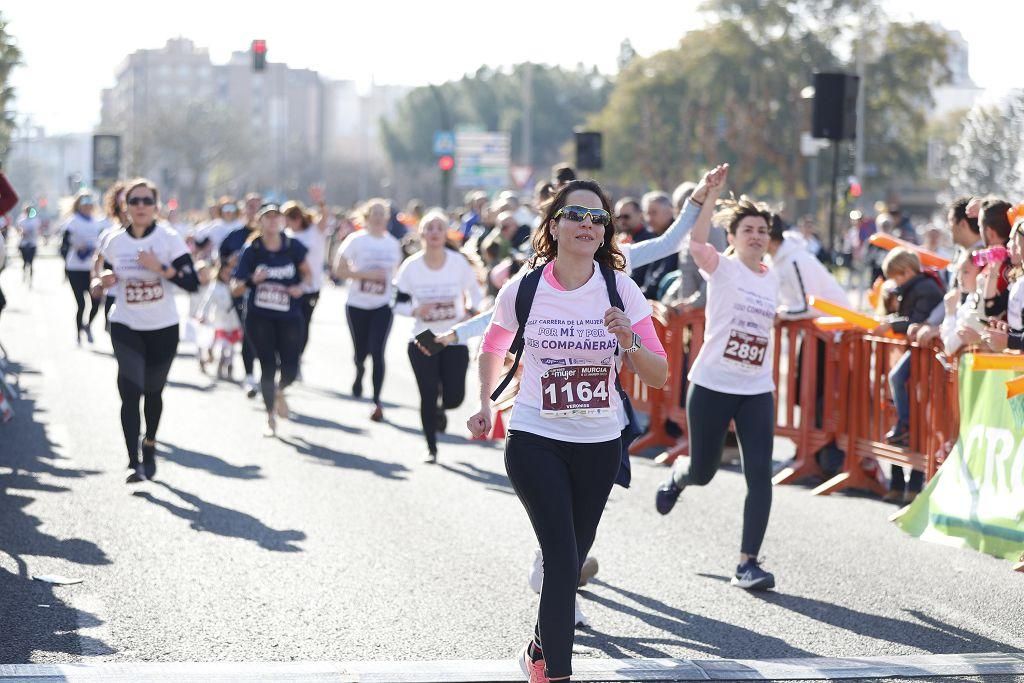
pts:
pixel 567 391
pixel 736 357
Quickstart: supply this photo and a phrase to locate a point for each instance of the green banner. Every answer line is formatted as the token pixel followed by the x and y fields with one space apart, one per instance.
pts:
pixel 976 499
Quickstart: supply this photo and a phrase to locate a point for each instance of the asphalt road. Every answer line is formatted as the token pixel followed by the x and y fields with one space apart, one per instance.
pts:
pixel 334 542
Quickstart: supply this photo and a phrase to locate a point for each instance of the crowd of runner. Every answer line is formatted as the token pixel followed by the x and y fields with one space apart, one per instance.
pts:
pixel 561 282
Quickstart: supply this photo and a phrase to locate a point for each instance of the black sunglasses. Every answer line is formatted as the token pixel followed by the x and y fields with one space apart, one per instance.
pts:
pixel 145 201
pixel 577 213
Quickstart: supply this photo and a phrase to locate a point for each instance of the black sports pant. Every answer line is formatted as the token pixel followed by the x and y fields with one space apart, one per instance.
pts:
pixel 143 360
pixel 443 373
pixel 248 352
pixel 307 303
pixel 564 487
pixel 370 329
pixel 708 414
pixel 79 280
pixel 277 342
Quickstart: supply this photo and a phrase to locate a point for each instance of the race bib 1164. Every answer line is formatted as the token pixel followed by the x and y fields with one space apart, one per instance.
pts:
pixel 570 390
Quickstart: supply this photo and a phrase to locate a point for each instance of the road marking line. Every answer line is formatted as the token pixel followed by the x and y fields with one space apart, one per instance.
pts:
pixel 507 671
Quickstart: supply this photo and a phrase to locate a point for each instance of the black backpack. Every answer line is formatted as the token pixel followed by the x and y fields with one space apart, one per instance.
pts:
pixel 524 302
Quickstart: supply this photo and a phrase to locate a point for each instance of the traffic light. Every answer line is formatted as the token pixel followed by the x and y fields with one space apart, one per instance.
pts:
pixel 446 162
pixel 259 55
pixel 854 189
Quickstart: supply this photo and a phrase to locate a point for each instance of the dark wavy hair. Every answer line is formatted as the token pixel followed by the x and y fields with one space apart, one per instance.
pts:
pixel 546 249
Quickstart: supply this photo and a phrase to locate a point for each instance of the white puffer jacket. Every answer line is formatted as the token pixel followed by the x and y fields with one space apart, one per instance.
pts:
pixel 801 275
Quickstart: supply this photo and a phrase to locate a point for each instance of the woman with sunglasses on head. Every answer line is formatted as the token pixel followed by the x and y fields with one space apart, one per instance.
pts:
pixel 369 258
pixel 731 378
pixel 311 234
pixel 438 287
pixel 143 260
pixel 564 449
pixel 272 267
pixel 81 237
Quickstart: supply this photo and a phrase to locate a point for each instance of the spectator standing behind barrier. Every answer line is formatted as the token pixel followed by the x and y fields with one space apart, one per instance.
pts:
pixel 689 291
pixel 1010 334
pixel 966 234
pixel 800 274
pixel 993 281
pixel 962 309
pixel 657 208
pixel 917 293
pixel 631 230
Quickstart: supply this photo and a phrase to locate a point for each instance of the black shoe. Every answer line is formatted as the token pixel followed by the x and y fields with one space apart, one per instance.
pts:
pixel 149 460
pixel 899 435
pixel 668 494
pixel 88 335
pixel 751 577
pixel 137 476
pixel 430 458
pixel 357 386
pixel 442 421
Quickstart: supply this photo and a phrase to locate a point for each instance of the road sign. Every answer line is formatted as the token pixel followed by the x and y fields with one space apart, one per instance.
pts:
pixel 482 159
pixel 521 175
pixel 106 158
pixel 444 143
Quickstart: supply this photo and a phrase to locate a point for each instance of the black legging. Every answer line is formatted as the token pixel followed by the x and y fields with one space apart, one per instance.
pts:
pixel 248 352
pixel 306 304
pixel 370 329
pixel 143 360
pixel 564 487
pixel 277 342
pixel 28 256
pixel 708 414
pixel 443 373
pixel 79 280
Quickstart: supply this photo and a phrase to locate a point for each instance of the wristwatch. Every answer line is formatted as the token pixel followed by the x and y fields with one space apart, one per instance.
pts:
pixel 636 344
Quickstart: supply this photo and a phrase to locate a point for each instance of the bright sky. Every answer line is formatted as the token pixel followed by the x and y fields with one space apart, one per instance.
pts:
pixel 70 50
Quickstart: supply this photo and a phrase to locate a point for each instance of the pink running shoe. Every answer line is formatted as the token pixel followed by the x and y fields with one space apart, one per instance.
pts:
pixel 534 671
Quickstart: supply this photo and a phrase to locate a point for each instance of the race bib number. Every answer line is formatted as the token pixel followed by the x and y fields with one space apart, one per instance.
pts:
pixel 574 390
pixel 748 350
pixel 141 292
pixel 374 287
pixel 272 297
pixel 438 310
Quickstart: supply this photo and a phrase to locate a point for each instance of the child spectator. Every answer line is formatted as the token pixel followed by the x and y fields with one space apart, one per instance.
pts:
pixel 917 294
pixel 962 324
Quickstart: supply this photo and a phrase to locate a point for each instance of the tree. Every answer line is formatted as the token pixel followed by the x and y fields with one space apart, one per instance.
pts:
pixel 10 57
pixel 987 159
pixel 492 99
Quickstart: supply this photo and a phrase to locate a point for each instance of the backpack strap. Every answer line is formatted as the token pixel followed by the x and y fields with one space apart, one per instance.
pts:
pixel 524 302
pixel 616 301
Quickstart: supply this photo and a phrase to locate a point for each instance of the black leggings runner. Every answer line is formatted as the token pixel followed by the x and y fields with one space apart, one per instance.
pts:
pixel 370 329
pixel 708 414
pixel 564 487
pixel 443 373
pixel 248 352
pixel 143 360
pixel 79 280
pixel 307 303
pixel 277 342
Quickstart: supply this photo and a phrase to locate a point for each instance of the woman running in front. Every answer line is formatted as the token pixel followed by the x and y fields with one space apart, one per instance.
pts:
pixel 81 237
pixel 563 449
pixel 272 266
pixel 369 259
pixel 313 236
pixel 142 260
pixel 438 288
pixel 731 378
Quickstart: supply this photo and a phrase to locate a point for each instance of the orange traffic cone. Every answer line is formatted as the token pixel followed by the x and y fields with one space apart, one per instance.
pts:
pixel 498 431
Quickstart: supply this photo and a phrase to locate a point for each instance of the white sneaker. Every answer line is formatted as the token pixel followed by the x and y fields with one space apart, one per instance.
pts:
pixel 249 384
pixel 581 618
pixel 536 577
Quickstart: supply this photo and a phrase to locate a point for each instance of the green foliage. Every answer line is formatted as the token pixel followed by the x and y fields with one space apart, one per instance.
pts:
pixel 493 100
pixel 10 57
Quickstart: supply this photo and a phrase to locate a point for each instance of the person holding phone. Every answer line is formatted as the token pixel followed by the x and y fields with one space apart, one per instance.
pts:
pixel 369 258
pixel 272 267
pixel 439 288
pixel 140 263
pixel 81 237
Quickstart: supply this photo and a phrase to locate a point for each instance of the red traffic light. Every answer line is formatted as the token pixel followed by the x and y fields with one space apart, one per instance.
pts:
pixel 446 163
pixel 259 46
pixel 855 190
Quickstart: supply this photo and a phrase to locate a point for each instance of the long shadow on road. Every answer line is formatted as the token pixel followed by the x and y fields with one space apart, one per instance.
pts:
pixel 216 519
pixel 34 618
pixel 210 463
pixel 494 481
pixel 692 631
pixel 352 461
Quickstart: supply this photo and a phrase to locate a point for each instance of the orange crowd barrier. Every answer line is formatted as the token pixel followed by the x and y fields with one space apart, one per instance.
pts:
pixel 832 385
